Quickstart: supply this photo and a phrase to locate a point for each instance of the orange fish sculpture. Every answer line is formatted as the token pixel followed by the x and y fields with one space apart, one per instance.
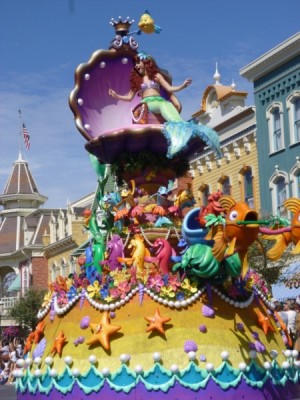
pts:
pixel 286 235
pixel 240 231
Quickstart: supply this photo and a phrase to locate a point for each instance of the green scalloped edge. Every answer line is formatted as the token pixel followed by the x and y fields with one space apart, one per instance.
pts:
pixel 151 387
pixel 95 388
pixel 226 385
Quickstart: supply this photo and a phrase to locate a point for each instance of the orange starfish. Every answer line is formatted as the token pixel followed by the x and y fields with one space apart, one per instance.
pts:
pixel 156 322
pixel 58 344
pixel 28 343
pixel 102 332
pixel 39 331
pixel 264 322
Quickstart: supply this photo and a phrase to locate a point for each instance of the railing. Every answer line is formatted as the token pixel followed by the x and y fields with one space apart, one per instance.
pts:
pixel 7 302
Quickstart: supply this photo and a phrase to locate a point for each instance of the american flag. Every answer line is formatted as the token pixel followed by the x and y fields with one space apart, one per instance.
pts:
pixel 26 137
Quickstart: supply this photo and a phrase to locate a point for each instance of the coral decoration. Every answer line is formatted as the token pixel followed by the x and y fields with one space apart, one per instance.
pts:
pixel 156 322
pixel 39 331
pixel 213 207
pixel 102 332
pixel 264 322
pixel 59 342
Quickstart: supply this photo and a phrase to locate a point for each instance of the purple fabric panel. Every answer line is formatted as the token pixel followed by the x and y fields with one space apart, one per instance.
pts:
pixel 211 392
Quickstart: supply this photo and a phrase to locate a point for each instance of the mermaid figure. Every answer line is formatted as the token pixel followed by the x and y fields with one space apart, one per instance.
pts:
pixel 147 81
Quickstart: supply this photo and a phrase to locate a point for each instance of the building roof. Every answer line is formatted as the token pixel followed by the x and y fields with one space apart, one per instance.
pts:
pixel 22 222
pixel 21 188
pixel 272 59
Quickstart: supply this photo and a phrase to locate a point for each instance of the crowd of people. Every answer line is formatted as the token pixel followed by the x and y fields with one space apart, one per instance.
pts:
pixel 289 312
pixel 10 351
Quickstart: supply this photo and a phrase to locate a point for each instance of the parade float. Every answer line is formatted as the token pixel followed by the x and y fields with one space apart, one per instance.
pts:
pixel 164 306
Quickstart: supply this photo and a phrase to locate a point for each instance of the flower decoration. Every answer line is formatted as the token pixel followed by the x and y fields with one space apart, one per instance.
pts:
pixel 123 289
pixel 186 285
pixel 156 283
pixel 93 290
pixel 173 282
pixel 167 291
pixel 62 299
pixel 61 281
pixel 72 293
pixel 47 299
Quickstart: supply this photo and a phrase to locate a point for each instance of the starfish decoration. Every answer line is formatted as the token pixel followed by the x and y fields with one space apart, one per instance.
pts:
pixel 264 322
pixel 102 332
pixel 28 343
pixel 156 322
pixel 58 344
pixel 39 331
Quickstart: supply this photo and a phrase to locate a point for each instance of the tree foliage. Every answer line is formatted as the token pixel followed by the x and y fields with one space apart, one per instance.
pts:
pixel 271 271
pixel 25 310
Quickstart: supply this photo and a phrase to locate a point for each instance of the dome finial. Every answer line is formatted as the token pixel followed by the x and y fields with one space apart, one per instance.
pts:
pixel 233 85
pixel 217 76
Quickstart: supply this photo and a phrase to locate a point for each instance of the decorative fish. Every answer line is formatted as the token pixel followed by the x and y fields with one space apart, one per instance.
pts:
pixel 240 231
pixel 147 25
pixel 286 235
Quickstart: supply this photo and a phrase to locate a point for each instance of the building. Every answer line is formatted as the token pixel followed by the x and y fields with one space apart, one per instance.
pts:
pixel 236 174
pixel 65 239
pixel 276 79
pixel 22 225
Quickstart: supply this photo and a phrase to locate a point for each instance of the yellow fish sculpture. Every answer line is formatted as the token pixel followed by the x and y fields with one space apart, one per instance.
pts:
pixel 287 235
pixel 147 25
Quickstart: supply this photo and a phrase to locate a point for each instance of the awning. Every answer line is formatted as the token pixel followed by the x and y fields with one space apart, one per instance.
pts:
pixel 282 291
pixel 15 285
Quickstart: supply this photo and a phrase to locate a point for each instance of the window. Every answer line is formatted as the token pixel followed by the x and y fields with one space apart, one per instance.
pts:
pixel 247 187
pixel 277 138
pixel 295 179
pixel 293 109
pixel 297 121
pixel 64 268
pixel 281 194
pixel 25 279
pixel 225 186
pixel 275 127
pixel 203 194
pixel 279 187
pixel 54 271
pixel 297 194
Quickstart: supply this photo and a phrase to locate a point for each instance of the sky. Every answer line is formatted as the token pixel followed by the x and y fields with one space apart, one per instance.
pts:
pixel 42 42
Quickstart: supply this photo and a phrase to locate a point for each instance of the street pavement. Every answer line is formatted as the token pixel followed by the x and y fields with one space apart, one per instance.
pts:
pixel 8 392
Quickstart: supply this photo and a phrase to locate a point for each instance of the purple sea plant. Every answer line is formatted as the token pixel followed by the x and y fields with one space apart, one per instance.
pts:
pixel 202 328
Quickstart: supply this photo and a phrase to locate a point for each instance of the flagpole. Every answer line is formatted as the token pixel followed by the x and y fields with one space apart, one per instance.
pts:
pixel 20 137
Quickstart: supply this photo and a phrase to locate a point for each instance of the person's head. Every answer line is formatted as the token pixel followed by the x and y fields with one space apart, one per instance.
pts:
pixel 278 306
pixel 143 64
pixel 288 305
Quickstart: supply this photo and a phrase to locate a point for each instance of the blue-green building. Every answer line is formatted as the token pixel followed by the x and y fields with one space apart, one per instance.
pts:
pixel 276 79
